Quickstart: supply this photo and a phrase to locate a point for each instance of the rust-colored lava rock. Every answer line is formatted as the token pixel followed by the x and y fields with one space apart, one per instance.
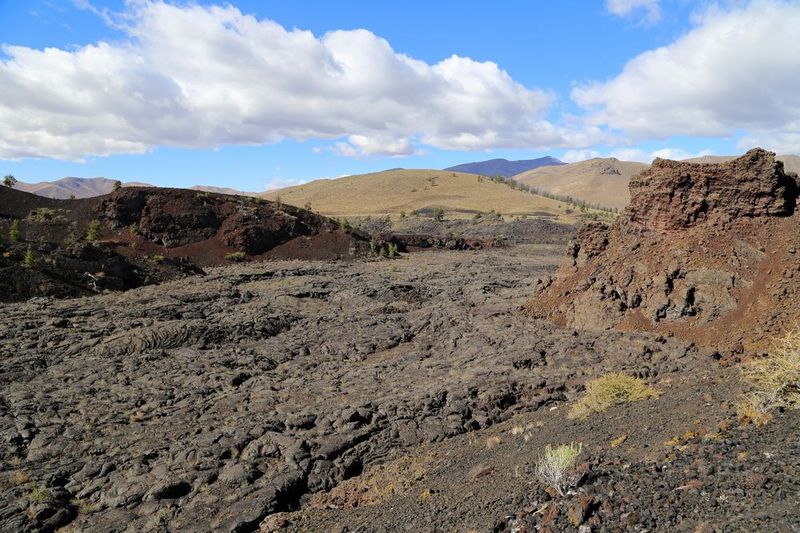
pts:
pixel 707 252
pixel 672 195
pixel 180 217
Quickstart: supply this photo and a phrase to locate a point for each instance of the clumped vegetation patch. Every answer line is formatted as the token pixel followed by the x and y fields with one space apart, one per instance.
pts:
pixel 43 214
pixel 39 494
pixel 236 257
pixel 556 464
pixel 774 381
pixel 610 390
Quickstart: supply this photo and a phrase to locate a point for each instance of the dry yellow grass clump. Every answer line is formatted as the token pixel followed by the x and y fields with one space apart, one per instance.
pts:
pixel 610 390
pixel 774 381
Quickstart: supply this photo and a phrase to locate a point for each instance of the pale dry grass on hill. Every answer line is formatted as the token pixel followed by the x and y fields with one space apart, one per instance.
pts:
pixel 395 191
pixel 597 181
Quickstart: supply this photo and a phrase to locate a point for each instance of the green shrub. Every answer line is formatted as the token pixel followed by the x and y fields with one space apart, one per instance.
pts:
pixel 392 250
pixel 610 390
pixel 9 181
pixel 236 257
pixel 93 231
pixel 157 259
pixel 438 214
pixel 14 232
pixel 346 226
pixel 133 229
pixel 555 465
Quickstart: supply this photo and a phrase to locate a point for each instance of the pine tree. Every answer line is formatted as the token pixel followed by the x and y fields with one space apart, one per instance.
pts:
pixel 93 231
pixel 28 261
pixel 14 232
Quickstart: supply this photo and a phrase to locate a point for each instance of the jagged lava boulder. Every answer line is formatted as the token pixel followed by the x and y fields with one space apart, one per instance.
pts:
pixel 707 252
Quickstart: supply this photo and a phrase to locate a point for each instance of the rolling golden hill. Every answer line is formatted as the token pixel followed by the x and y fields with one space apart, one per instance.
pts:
pixel 602 181
pixel 395 191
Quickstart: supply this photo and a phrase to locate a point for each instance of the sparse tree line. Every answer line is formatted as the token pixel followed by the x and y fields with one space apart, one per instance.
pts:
pixel 14 235
pixel 582 205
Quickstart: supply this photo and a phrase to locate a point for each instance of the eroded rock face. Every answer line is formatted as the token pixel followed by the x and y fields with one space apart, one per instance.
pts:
pixel 177 217
pixel 672 195
pixel 704 251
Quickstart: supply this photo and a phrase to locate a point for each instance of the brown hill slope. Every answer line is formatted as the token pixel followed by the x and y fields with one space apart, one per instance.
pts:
pixel 395 191
pixel 145 235
pixel 221 190
pixel 601 181
pixel 74 187
pixel 707 252
pixel 71 187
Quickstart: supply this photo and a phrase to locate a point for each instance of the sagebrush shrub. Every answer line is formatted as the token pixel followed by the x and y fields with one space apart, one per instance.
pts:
pixel 555 466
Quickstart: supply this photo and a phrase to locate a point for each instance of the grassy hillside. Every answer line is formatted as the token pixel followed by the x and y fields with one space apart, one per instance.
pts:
pixel 396 191
pixel 602 181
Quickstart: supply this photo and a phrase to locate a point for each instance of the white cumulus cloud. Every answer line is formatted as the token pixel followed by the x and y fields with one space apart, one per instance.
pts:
pixel 574 156
pixel 633 154
pixel 624 8
pixel 737 70
pixel 203 76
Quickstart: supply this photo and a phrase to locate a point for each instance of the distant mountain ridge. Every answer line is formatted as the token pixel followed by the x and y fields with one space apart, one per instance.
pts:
pixel 504 167
pixel 71 187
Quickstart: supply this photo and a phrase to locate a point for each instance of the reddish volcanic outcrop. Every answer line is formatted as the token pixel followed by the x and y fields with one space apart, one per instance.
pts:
pixel 147 235
pixel 672 195
pixel 708 252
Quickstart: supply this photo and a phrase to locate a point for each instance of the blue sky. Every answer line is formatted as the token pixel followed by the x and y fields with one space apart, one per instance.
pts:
pixel 184 93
